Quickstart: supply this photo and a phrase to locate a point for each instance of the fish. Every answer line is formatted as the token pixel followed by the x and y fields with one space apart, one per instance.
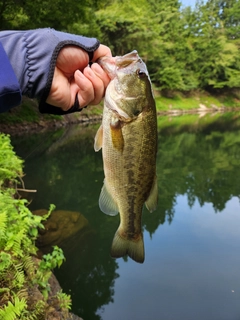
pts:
pixel 128 139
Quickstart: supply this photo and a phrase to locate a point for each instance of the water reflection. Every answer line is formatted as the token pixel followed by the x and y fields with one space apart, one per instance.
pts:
pixel 198 172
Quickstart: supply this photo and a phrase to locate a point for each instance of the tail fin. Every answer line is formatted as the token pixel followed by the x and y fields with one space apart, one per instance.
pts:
pixel 133 248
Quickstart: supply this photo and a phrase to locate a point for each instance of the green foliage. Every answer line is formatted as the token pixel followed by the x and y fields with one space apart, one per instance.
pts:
pixel 13 311
pixel 18 231
pixel 26 112
pixel 53 260
pixel 185 49
pixel 125 30
pixel 217 62
pixel 19 14
pixel 64 300
pixel 10 165
pixel 48 263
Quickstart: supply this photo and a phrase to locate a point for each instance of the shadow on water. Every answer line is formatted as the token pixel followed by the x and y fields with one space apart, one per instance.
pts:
pixel 197 157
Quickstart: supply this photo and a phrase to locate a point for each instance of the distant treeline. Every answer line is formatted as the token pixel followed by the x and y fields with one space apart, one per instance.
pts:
pixel 185 48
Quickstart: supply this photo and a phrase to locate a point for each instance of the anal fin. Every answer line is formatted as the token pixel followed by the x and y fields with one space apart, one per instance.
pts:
pixel 107 203
pixel 152 200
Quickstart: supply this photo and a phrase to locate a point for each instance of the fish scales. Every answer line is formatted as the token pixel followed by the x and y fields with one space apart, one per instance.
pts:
pixel 129 146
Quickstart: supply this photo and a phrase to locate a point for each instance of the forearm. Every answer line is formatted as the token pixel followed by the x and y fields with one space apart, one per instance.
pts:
pixel 10 92
pixel 33 55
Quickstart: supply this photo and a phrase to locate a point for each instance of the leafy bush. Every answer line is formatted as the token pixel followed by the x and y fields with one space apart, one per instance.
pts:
pixel 21 273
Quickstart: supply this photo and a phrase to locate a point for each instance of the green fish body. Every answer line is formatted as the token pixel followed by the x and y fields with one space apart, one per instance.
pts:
pixel 128 138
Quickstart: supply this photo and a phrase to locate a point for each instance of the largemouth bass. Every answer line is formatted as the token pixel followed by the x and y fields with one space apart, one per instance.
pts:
pixel 128 138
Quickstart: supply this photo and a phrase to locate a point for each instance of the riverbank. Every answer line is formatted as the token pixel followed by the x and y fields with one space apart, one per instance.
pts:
pixel 26 118
pixel 29 290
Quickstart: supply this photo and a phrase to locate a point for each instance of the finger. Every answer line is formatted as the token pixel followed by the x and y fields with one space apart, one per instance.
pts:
pixel 71 58
pixel 97 84
pixel 101 52
pixel 60 92
pixel 85 89
pixel 97 69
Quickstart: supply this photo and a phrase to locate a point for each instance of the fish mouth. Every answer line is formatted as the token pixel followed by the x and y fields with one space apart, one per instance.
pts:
pixel 110 64
pixel 127 59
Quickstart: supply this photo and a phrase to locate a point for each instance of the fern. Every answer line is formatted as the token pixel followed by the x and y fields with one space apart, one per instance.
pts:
pixel 19 277
pixel 64 300
pixel 3 220
pixel 22 294
pixel 13 310
pixel 38 311
pixel 14 243
pixel 10 165
pixel 29 266
pixel 5 261
pixel 18 232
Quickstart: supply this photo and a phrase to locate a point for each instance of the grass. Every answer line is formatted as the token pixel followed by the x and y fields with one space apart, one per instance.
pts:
pixel 28 111
pixel 194 122
pixel 180 101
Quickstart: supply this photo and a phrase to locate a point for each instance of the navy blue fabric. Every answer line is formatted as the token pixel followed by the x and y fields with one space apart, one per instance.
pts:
pixel 33 56
pixel 10 93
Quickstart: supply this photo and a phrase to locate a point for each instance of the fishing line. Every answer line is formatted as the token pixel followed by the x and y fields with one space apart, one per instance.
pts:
pixel 38 146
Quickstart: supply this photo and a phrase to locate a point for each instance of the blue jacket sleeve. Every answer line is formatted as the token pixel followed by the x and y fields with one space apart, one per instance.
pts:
pixel 10 92
pixel 33 55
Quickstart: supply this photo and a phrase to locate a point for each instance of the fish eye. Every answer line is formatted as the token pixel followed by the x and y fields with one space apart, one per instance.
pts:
pixel 137 113
pixel 141 73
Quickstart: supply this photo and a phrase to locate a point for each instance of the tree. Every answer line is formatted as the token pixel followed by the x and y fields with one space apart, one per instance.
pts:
pixel 124 29
pixel 65 15
pixel 229 14
pixel 217 63
pixel 173 54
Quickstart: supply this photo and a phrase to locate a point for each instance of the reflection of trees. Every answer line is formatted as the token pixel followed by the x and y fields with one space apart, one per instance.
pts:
pixel 88 277
pixel 64 171
pixel 205 166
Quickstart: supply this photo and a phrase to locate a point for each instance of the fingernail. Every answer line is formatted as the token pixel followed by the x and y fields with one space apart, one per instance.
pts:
pixel 79 74
pixel 88 71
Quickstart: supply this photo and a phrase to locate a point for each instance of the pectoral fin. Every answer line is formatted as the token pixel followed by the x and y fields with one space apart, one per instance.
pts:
pixel 98 139
pixel 116 134
pixel 107 203
pixel 152 200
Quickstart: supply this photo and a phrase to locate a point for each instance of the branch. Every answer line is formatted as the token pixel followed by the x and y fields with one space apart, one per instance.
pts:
pixel 26 190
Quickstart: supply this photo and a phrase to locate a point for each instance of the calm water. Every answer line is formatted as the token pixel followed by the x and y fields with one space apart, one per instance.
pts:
pixel 192 242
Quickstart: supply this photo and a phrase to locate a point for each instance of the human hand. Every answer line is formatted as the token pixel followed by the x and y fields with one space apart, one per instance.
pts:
pixel 73 77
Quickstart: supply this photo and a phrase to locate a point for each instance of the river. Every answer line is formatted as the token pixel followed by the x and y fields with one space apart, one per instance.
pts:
pixel 192 241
